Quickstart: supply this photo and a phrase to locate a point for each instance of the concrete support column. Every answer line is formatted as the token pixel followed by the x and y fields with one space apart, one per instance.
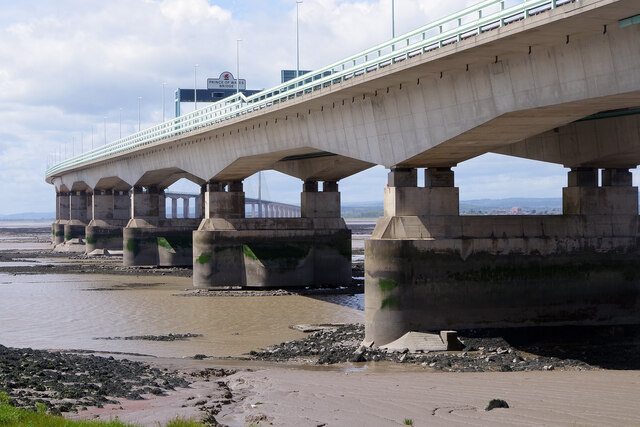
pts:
pixel 62 217
pixel 403 197
pixel 121 205
pixel 224 204
pixel 616 177
pixel 174 207
pixel 102 205
pixel 149 205
pixel 79 215
pixel 78 206
pixel 110 213
pixel 62 206
pixel 582 196
pixel 201 204
pixel 325 204
pixel 185 207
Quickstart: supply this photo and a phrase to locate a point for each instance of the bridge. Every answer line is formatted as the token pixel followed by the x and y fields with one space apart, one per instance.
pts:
pixel 258 208
pixel 557 81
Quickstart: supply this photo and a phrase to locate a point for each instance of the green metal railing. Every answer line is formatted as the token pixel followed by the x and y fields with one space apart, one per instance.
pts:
pixel 472 21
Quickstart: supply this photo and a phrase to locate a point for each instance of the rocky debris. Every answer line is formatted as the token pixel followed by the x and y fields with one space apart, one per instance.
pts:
pixel 315 328
pixel 343 344
pixel 239 292
pixel 168 337
pixel 69 382
pixel 213 407
pixel 255 419
pixel 496 403
pixel 213 372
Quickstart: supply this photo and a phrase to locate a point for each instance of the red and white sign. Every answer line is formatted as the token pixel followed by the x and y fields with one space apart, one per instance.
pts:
pixel 226 81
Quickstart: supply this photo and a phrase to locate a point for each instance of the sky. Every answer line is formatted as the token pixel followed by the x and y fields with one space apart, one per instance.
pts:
pixel 68 67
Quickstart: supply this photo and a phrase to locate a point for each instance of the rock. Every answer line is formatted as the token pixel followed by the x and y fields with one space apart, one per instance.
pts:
pixel 496 403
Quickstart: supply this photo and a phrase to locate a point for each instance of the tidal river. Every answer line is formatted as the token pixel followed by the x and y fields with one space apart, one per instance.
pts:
pixel 77 311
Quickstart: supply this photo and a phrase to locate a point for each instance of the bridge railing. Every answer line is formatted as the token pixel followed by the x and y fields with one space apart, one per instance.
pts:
pixel 484 16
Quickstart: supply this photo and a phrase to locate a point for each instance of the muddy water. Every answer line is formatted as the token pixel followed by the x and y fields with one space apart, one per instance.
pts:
pixel 70 311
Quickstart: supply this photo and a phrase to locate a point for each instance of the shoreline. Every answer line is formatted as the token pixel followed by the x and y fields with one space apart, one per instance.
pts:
pixel 327 378
pixel 240 393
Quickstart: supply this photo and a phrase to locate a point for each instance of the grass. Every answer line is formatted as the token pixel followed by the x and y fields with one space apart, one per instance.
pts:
pixel 15 417
pixel 408 422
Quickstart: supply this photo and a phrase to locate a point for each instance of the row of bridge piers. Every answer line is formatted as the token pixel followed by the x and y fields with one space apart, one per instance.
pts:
pixel 426 266
pixel 224 246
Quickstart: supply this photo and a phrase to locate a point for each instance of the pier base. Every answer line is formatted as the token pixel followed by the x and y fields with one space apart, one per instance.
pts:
pixel 497 272
pixel 272 252
pixel 74 229
pixel 428 268
pixel 102 234
pixel 57 231
pixel 167 243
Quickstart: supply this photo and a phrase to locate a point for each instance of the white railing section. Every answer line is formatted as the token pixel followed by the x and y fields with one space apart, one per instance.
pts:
pixel 472 21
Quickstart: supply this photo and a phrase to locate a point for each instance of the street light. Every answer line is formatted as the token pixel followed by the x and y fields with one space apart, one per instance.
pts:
pixel 163 85
pixel 195 87
pixel 238 65
pixel 139 99
pixel 298 38
pixel 393 19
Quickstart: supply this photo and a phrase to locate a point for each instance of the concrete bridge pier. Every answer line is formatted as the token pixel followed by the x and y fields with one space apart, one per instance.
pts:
pixel 428 268
pixel 78 215
pixel 150 239
pixel 62 217
pixel 231 250
pixel 109 215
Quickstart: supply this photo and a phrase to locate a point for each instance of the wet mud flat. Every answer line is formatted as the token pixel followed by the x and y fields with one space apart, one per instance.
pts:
pixel 66 382
pixel 483 350
pixel 82 386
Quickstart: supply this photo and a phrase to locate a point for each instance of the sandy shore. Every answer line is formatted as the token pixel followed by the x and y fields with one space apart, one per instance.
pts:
pixel 370 398
pixel 385 394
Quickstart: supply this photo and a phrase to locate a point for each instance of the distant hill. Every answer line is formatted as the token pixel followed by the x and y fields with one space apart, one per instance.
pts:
pixel 521 202
pixel 29 216
pixel 482 206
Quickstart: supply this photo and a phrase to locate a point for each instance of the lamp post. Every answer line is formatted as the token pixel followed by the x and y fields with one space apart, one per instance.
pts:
pixel 139 99
pixel 238 65
pixel 298 38
pixel 195 87
pixel 393 19
pixel 163 85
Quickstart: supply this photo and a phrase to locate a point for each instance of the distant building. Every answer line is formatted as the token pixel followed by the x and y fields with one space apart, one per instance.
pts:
pixel 516 211
pixel 222 87
pixel 286 75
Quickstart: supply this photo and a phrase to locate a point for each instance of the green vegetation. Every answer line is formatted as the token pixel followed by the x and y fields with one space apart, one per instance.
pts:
pixel 391 302
pixel 91 240
pixel 408 422
pixel 132 246
pixel 164 243
pixel 387 285
pixel 249 253
pixel 204 258
pixel 14 417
